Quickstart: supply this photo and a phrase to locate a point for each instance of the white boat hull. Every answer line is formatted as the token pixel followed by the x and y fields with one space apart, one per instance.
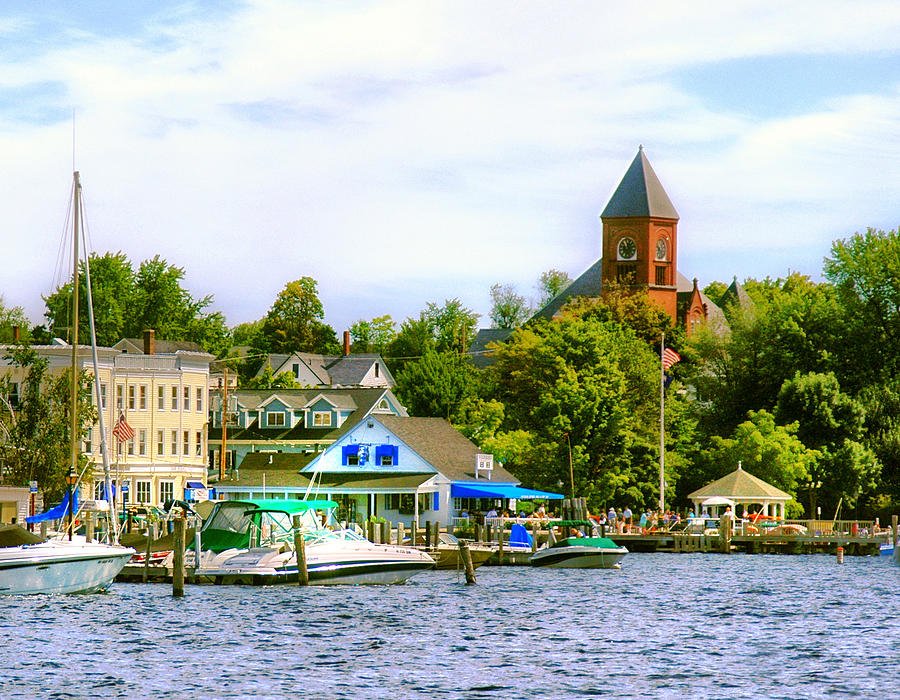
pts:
pixel 329 562
pixel 60 567
pixel 579 557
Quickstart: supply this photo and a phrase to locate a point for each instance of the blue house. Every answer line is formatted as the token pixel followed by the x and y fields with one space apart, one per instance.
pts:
pixel 397 467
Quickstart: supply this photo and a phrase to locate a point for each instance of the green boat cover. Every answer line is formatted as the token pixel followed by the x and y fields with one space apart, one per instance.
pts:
pixel 230 523
pixel 599 542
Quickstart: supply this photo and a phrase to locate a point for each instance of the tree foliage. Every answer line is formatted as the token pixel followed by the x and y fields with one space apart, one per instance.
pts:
pixel 34 434
pixel 294 323
pixel 508 309
pixel 127 302
pixel 373 336
pixel 10 318
pixel 551 283
pixel 436 384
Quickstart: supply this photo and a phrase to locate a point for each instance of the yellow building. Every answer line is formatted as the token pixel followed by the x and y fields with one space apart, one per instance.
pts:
pixel 163 398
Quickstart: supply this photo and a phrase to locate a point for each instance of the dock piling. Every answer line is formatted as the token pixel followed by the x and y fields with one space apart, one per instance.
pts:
pixel 177 558
pixel 467 562
pixel 300 552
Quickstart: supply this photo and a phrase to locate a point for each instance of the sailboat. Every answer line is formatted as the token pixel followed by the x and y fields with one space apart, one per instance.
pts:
pixel 72 565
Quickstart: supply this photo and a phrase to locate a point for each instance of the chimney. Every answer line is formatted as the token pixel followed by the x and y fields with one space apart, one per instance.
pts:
pixel 15 330
pixel 149 342
pixel 346 343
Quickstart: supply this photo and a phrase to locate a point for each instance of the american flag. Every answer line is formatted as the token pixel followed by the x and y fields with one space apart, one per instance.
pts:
pixel 669 358
pixel 122 430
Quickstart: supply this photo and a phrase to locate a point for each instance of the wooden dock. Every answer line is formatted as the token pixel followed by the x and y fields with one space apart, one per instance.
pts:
pixel 749 544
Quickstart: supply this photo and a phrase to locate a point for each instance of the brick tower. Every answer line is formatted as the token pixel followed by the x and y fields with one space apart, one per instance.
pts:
pixel 640 240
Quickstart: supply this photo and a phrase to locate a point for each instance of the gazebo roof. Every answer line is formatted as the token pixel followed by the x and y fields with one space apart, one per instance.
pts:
pixel 740 486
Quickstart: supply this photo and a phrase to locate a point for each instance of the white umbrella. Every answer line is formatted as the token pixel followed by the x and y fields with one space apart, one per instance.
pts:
pixel 717 501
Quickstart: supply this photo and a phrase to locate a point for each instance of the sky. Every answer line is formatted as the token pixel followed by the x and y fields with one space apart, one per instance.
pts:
pixel 406 152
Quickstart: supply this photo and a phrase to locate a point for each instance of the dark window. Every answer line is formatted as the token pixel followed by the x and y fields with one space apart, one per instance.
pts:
pixel 660 275
pixel 626 274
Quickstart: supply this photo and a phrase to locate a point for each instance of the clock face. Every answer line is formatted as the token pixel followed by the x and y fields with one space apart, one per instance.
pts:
pixel 662 249
pixel 627 249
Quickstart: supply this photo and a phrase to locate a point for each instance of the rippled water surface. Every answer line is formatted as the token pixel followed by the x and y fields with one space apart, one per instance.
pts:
pixel 689 625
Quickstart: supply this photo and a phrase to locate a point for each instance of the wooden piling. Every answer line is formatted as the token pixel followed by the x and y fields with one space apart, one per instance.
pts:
pixel 386 532
pixel 489 535
pixel 894 530
pixel 500 543
pixel 89 527
pixel 413 534
pixel 400 533
pixel 535 529
pixel 146 572
pixel 300 553
pixel 478 532
pixel 427 534
pixel 178 558
pixel 467 562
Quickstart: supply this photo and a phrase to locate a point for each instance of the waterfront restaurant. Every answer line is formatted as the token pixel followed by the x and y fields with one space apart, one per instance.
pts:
pixel 742 490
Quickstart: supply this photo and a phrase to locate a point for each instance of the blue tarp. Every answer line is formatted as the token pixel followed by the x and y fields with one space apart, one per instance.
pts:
pixel 194 485
pixel 55 513
pixel 519 536
pixel 470 490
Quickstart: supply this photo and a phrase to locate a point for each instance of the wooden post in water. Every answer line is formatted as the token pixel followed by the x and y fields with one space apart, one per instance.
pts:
pixel 399 533
pixel 178 558
pixel 467 562
pixel 893 530
pixel 146 572
pixel 89 527
pixel 536 528
pixel 500 542
pixel 437 533
pixel 300 552
pixel 489 535
pixel 412 533
pixel 478 533
pixel 386 532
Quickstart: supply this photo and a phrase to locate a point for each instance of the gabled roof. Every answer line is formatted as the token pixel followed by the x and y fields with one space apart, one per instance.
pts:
pixel 442 446
pixel 736 295
pixel 478 350
pixel 331 370
pixel 741 485
pixel 715 316
pixel 640 193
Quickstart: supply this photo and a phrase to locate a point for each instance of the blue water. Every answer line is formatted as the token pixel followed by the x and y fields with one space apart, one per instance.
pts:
pixel 665 625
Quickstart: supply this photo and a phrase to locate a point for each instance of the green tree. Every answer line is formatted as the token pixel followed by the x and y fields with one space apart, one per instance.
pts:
pixel 269 380
pixel 590 382
pixel 34 434
pixel 436 384
pixel 294 323
pixel 550 284
pixel 373 336
pixel 452 325
pixel 796 326
pixel 508 309
pixel 128 302
pixel 865 269
pixel 830 422
pixel 768 451
pixel 412 342
pixel 10 318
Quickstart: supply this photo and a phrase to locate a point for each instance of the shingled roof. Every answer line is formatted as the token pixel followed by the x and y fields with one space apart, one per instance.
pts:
pixel 740 485
pixel 442 446
pixel 640 194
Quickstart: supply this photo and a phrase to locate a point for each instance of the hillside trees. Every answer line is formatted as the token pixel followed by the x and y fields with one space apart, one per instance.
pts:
pixel 10 317
pixel 508 309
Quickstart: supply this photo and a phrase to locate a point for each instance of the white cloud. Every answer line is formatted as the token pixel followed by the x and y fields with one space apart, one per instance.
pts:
pixel 406 152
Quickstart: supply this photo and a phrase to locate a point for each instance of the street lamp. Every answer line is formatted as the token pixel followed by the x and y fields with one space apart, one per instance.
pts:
pixel 71 480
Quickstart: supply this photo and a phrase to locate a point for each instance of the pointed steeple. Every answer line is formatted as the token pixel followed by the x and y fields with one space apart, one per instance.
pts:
pixel 640 194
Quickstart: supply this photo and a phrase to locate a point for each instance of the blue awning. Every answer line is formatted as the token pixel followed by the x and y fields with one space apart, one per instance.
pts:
pixel 470 490
pixel 57 512
pixel 194 485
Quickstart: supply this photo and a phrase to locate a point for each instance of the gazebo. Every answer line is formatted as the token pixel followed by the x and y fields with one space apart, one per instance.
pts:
pixel 740 488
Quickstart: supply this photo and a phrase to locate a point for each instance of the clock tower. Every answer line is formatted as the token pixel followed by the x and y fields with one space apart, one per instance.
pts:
pixel 640 236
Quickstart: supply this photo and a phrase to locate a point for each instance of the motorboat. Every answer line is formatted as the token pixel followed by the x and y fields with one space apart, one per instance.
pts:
pixel 579 550
pixel 57 566
pixel 447 555
pixel 252 541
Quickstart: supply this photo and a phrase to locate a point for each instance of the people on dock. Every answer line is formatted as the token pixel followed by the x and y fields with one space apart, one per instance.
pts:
pixel 626 517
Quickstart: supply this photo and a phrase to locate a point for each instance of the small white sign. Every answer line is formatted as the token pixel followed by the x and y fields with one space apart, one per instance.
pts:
pixel 33 485
pixel 484 463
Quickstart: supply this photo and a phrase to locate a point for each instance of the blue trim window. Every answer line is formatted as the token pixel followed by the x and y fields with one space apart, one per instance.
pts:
pixel 350 455
pixel 386 455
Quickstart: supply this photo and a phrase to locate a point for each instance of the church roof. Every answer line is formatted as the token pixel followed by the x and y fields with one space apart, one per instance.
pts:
pixel 640 194
pixel 740 485
pixel 736 295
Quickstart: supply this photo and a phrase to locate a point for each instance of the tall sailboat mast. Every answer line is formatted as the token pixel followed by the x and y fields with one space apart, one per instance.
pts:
pixel 662 425
pixel 73 337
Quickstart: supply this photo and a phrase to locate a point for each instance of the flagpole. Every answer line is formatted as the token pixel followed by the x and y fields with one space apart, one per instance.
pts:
pixel 662 426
